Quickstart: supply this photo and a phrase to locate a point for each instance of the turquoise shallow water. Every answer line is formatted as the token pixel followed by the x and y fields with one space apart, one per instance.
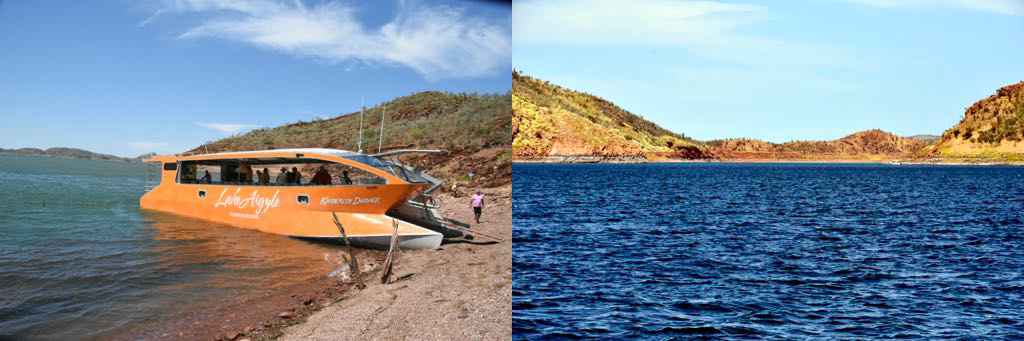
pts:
pixel 79 259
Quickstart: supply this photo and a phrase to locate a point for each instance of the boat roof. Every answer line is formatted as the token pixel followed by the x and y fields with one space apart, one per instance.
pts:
pixel 364 161
pixel 268 152
pixel 255 153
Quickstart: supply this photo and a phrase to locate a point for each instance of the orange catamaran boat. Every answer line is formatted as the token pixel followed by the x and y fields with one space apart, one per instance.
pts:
pixel 368 194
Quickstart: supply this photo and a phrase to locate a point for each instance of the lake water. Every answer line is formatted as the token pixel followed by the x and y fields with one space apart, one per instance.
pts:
pixel 780 251
pixel 79 259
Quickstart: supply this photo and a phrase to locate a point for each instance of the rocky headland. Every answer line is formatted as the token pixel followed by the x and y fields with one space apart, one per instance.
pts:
pixel 556 124
pixel 991 129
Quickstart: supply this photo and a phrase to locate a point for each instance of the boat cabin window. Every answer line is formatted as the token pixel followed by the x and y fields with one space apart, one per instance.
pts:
pixel 279 172
pixel 394 168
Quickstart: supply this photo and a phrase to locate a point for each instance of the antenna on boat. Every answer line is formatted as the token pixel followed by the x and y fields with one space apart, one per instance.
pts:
pixel 381 141
pixel 359 143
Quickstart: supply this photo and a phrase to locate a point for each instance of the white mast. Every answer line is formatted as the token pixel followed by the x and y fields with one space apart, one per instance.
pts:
pixel 359 143
pixel 381 141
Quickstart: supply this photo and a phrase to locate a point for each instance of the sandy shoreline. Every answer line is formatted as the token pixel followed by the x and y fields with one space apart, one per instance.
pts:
pixel 460 291
pixel 463 291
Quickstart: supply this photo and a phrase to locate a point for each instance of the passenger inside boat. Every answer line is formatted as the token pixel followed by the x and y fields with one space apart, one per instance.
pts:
pixel 321 177
pixel 245 174
pixel 282 176
pixel 296 176
pixel 265 177
pixel 345 180
pixel 285 172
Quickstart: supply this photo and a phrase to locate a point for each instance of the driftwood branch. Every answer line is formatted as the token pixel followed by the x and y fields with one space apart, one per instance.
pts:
pixel 388 264
pixel 353 263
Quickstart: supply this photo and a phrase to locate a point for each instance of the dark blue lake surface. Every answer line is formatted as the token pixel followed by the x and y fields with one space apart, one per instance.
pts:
pixel 778 251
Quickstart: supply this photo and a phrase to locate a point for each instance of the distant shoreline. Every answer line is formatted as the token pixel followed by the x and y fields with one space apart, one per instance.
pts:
pixel 68 157
pixel 70 153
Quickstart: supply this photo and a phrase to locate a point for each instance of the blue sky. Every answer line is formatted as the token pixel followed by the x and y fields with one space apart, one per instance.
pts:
pixel 129 77
pixel 777 70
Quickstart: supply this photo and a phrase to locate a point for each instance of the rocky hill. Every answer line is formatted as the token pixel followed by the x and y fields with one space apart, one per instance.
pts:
pixel 927 139
pixel 65 152
pixel 474 128
pixel 992 128
pixel 868 144
pixel 744 148
pixel 558 124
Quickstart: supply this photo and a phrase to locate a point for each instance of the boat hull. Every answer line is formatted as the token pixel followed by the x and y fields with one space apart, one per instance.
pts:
pixel 428 216
pixel 299 211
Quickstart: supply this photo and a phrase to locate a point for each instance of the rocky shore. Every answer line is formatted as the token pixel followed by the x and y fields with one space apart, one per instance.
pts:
pixel 583 159
pixel 461 291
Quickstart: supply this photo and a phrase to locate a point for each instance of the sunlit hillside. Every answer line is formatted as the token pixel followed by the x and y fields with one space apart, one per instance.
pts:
pixel 474 128
pixel 992 128
pixel 868 144
pixel 552 121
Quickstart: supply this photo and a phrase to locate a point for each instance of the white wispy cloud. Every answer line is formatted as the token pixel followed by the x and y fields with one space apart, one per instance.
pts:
pixel 151 18
pixel 148 146
pixel 707 29
pixel 227 128
pixel 1004 7
pixel 638 22
pixel 437 41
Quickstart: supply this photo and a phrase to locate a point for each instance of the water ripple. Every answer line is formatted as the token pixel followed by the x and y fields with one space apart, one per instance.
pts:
pixel 768 251
pixel 79 259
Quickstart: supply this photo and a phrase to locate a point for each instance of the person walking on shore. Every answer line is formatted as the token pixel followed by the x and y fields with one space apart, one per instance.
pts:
pixel 477 200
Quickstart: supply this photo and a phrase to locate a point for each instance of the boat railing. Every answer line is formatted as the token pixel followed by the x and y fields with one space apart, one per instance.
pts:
pixel 432 211
pixel 152 175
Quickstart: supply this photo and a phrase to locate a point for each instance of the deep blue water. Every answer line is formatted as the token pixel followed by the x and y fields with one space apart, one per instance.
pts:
pixel 768 251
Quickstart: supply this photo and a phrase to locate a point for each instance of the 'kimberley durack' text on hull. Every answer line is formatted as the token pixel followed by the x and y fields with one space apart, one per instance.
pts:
pixel 296 192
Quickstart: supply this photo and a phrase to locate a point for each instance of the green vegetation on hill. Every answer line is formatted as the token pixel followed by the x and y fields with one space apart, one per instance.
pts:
pixel 992 128
pixel 474 128
pixel 550 120
pixel 423 120
pixel 994 119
